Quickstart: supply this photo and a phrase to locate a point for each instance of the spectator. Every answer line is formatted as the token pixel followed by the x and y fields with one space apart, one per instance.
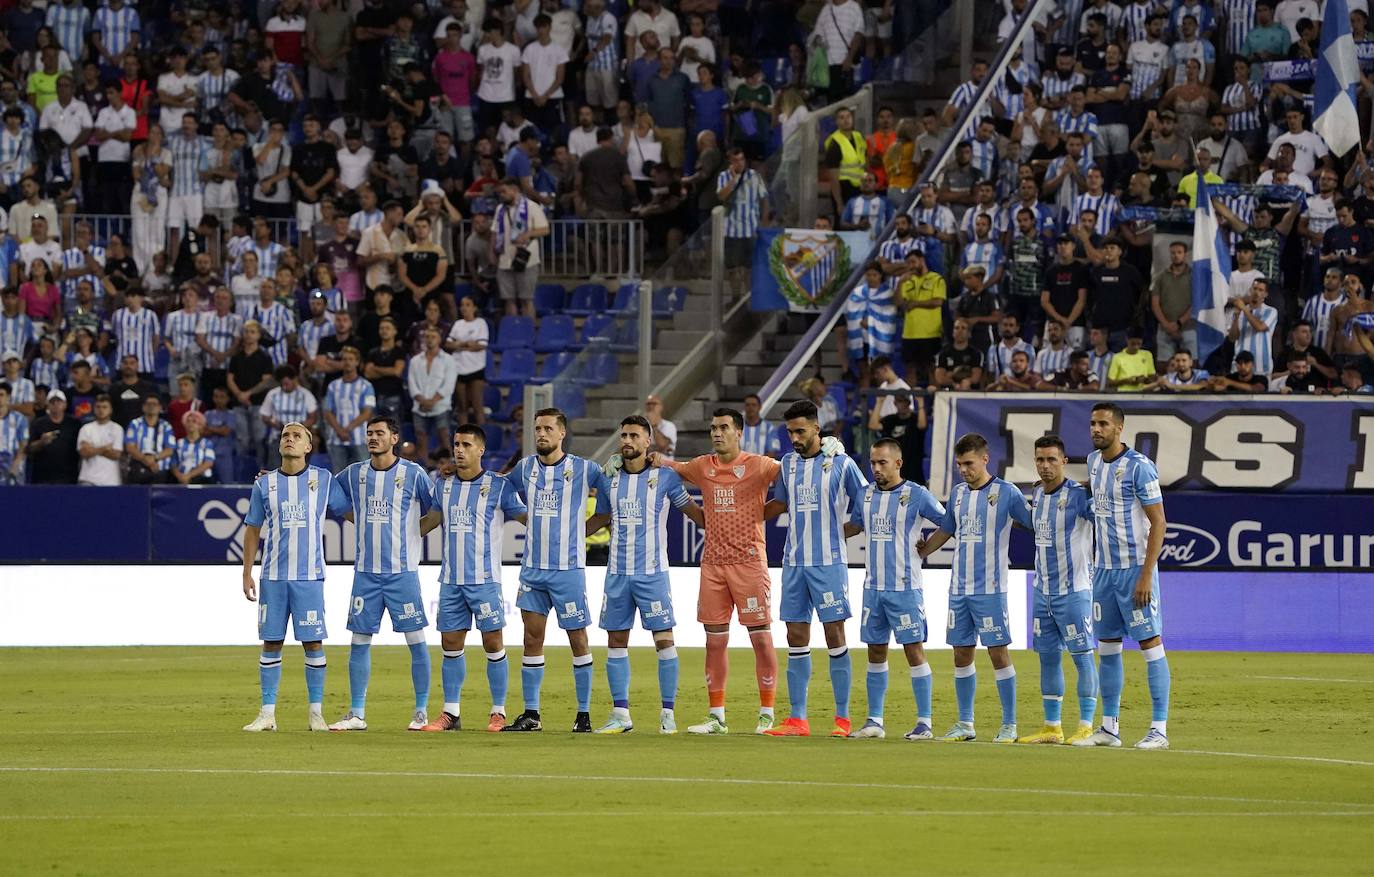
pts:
pixel 39 246
pixel 383 308
pixel 1252 325
pixel 1244 379
pixel 960 353
pixel 348 402
pixel 499 61
pixel 760 436
pixel 219 428
pixel 1100 355
pixel 381 247
pixel 193 459
pixel 1000 355
pixel 1077 378
pixel 22 390
pixel 276 322
pixel 1117 288
pixel 40 299
pixel 423 267
pixel 149 444
pixel 907 424
pixel 669 99
pixel 328 360
pixel 1171 302
pixel 1054 357
pixel 1183 376
pixel 1064 295
pixel 52 444
pixel 385 366
pixel 431 378
pixel 840 31
pixel 886 375
pixel 519 224
pixel 14 440
pixel 1301 346
pixel 867 211
pixel 183 403
pixel 921 294
pixel 467 341
pixel 543 67
pixel 1352 383
pixel 1018 378
pixel 340 253
pixel 287 402
pixel 82 392
pixel 603 180
pixel 100 445
pixel 249 379
pixel 978 305
pixel 152 172
pixel 1133 368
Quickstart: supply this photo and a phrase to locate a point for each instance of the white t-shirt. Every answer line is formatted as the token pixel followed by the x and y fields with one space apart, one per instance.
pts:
pixel 664 24
pixel 113 121
pixel 543 62
pixel 469 361
pixel 581 142
pixel 170 117
pixel 564 29
pixel 245 290
pixel 837 25
pixel 889 403
pixel 1241 281
pixel 706 51
pixel 1302 182
pixel 1289 12
pixel 354 166
pixel 668 430
pixel 49 251
pixel 68 121
pixel 1307 148
pixel 498 65
pixel 98 470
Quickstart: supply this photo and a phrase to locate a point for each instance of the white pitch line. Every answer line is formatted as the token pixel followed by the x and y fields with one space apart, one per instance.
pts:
pixel 711 781
pixel 1317 759
pixel 1314 679
pixel 705 814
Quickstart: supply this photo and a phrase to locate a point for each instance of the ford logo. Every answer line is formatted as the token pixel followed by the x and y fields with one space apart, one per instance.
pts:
pixel 1188 546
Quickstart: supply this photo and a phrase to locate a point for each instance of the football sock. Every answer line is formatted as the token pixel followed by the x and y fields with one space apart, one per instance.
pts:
pixel 314 678
pixel 452 673
pixel 269 676
pixel 531 680
pixel 498 680
pixel 717 669
pixel 965 686
pixel 582 681
pixel 667 676
pixel 359 671
pixel 1087 687
pixel 877 690
pixel 1157 676
pixel 840 672
pixel 798 680
pixel 618 677
pixel 1006 692
pixel 1052 685
pixel 419 668
pixel 921 683
pixel 765 667
pixel 1112 676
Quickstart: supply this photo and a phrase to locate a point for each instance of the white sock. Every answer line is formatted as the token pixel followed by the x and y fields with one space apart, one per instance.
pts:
pixel 766 710
pixel 499 709
pixel 877 720
pixel 270 709
pixel 1161 727
pixel 719 712
pixel 451 708
pixel 316 709
pixel 1112 723
pixel 1054 724
pixel 620 712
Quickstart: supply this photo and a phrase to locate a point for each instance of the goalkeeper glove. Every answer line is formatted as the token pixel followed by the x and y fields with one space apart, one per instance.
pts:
pixel 830 446
pixel 613 465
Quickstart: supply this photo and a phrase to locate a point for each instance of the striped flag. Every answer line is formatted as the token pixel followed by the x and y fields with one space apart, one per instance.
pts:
pixel 1211 274
pixel 1338 75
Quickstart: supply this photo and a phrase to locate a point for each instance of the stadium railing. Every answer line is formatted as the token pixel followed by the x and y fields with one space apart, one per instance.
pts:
pixel 609 248
pixel 103 225
pixel 801 355
pixel 793 171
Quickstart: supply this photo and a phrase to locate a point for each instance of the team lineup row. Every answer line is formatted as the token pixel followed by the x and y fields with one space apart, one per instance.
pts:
pixel 1097 546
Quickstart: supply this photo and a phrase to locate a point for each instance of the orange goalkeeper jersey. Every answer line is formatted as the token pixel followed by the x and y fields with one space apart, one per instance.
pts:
pixel 733 495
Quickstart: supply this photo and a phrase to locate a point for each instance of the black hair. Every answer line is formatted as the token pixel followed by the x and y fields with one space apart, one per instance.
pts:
pixel 554 413
pixel 804 409
pixel 388 419
pixel 731 413
pixel 1111 408
pixel 971 443
pixel 473 430
pixel 285 371
pixel 892 443
pixel 640 421
pixel 1050 440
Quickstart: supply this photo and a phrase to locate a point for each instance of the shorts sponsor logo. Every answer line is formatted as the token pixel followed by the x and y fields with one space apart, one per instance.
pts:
pixel 1071 629
pixel 751 603
pixel 828 600
pixel 656 609
pixel 1137 616
pixel 312 616
pixel 485 610
pixel 570 610
pixel 988 623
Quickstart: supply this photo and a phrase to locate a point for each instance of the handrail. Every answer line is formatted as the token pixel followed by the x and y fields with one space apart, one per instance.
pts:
pixel 820 330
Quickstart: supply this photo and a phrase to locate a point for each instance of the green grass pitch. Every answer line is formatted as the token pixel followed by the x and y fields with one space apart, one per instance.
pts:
pixel 131 761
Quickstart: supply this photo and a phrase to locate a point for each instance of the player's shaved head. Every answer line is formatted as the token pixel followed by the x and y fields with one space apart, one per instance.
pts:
pixel 886 460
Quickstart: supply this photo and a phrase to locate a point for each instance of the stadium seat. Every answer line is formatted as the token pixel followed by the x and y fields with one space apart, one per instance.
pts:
pixel 553 366
pixel 598 370
pixel 555 334
pixel 491 398
pixel 586 300
pixel 161 360
pixel 516 367
pixel 625 298
pixel 464 290
pixel 594 326
pixel 669 300
pixel 548 298
pixel 572 401
pixel 496 437
pixel 513 333
pixel 625 336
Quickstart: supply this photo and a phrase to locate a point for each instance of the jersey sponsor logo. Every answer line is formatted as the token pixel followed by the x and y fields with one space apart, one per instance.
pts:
pixel 971 528
pixel 880 529
pixel 546 503
pixel 724 498
pixel 460 519
pixel 808 499
pixel 378 510
pixel 630 512
pixel 1044 534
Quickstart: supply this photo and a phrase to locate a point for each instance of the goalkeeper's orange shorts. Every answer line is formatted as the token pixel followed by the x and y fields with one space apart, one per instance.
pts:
pixel 744 587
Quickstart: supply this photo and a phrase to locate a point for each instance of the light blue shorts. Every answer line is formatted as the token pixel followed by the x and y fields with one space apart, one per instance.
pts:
pixel 461 605
pixel 1063 621
pixel 398 593
pixel 899 614
pixel 561 591
pixel 650 594
pixel 824 589
pixel 975 618
pixel 1114 612
pixel 303 601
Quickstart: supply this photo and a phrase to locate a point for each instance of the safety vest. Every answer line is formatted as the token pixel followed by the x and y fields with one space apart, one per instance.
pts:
pixel 853 156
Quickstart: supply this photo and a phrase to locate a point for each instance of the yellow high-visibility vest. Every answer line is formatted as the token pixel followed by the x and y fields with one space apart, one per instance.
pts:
pixel 853 156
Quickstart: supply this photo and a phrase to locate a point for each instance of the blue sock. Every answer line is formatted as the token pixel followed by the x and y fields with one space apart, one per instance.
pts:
pixel 269 676
pixel 965 686
pixel 618 676
pixel 359 671
pixel 1157 676
pixel 1006 693
pixel 798 680
pixel 452 674
pixel 840 672
pixel 1087 686
pixel 498 678
pixel 1052 685
pixel 531 680
pixel 314 676
pixel 877 689
pixel 667 677
pixel 921 684
pixel 1112 676
pixel 419 674
pixel 582 681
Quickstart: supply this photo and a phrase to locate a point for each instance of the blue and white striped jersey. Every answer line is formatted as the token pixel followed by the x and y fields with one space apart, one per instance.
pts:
pixel 1063 538
pixel 1085 123
pixel 387 506
pixel 220 331
pixel 137 332
pixel 189 454
pixel 961 97
pixel 1100 364
pixel 1049 362
pixel 73 261
pixel 1057 87
pixel 190 156
pixel 1121 489
pixel 1199 376
pixel 21 391
pixel 280 324
pixel 820 493
pixel 151 438
pixel 296 406
pixel 14 436
pixel 1134 17
pixel 876 209
pixel 895 249
pixel 892 523
pixel 1236 95
pixel 1105 206
pixel 980 522
pixel 50 373
pixel 473 514
pixel 117 28
pixel 999 218
pixel 311 332
pixel 361 220
pixel 213 90
pixel 761 438
pixel 269 257
pixel 600 26
pixel 16 154
pixel 985 253
pixel 1013 103
pixel 290 511
pixel 998 360
pixel 744 207
pixel 69 25
pixel 179 327
pixel 346 400
pixel 984 157
pixel 870 317
pixel 17 332
pixel 1259 344
pixel 1148 62
pixel 1318 311
pixel 1201 11
pixel 556 494
pixel 639 520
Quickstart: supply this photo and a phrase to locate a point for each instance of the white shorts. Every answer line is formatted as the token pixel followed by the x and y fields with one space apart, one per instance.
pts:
pixel 185 210
pixel 306 216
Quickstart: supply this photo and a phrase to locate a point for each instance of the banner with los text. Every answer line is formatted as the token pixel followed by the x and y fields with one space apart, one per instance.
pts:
pixel 188 525
pixel 801 269
pixel 1278 444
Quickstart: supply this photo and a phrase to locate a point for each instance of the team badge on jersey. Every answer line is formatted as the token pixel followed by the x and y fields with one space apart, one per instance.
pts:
pixel 1064 501
pixel 1119 474
pixel 992 498
pixel 485 490
pixel 904 498
pixel 826 466
pixel 653 482
pixel 567 475
pixel 400 480
pixel 739 472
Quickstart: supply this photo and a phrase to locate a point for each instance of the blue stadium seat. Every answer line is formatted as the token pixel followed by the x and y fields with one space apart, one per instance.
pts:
pixel 594 326
pixel 548 298
pixel 625 336
pixel 463 290
pixel 587 299
pixel 555 334
pixel 491 398
pixel 496 437
pixel 516 367
pixel 553 366
pixel 572 401
pixel 513 333
pixel 625 298
pixel 161 360
pixel 598 370
pixel 669 300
